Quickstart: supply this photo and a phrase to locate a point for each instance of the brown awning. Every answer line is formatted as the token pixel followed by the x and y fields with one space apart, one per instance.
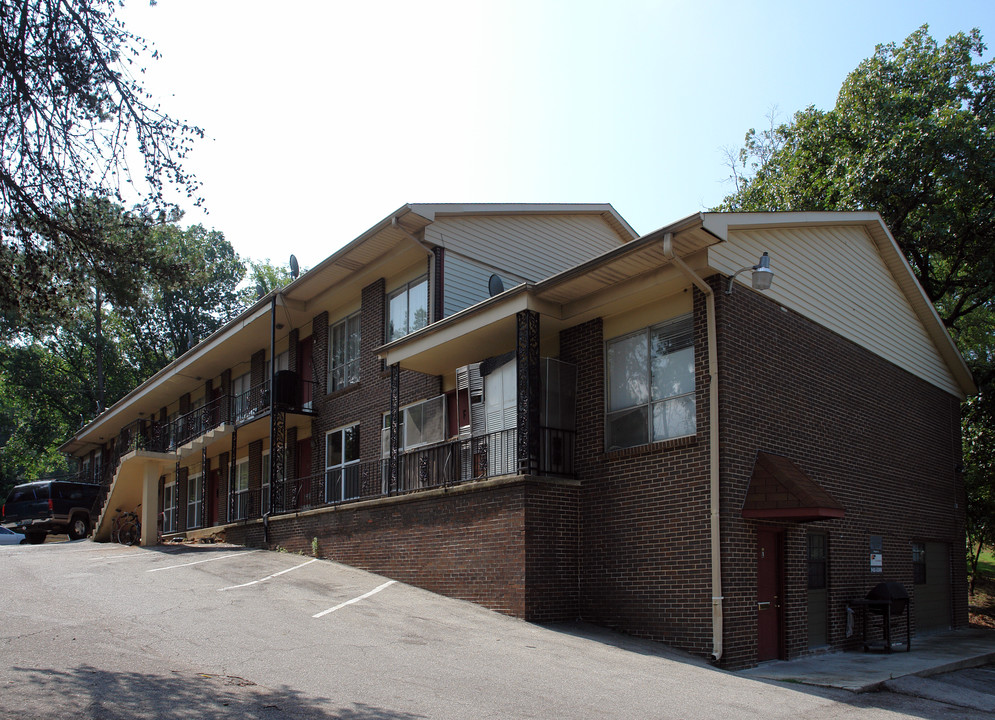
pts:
pixel 780 491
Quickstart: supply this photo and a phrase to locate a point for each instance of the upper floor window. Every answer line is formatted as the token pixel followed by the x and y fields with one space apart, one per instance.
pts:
pixel 651 385
pixel 343 353
pixel 407 308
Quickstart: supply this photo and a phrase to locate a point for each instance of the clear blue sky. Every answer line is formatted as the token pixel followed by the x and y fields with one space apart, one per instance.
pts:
pixel 323 117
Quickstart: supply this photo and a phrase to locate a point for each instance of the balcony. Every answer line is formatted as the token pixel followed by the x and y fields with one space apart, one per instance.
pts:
pixel 445 464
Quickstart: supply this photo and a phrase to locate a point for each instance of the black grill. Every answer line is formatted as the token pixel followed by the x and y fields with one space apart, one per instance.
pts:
pixel 887 600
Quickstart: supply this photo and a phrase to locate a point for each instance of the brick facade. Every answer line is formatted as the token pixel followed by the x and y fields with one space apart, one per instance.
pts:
pixel 882 442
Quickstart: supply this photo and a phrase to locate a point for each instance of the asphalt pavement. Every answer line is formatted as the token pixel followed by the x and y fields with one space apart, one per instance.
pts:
pixel 92 631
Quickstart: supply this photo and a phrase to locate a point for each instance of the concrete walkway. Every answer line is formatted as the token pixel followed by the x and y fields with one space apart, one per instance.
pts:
pixel 864 671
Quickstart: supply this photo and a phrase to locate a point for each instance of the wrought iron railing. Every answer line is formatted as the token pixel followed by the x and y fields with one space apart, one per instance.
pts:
pixel 251 404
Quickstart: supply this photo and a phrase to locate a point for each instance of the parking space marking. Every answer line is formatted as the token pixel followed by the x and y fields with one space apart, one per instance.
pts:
pixel 374 591
pixel 268 577
pixel 198 562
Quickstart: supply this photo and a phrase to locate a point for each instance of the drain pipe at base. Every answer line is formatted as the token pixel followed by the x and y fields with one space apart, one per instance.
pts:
pixel 713 442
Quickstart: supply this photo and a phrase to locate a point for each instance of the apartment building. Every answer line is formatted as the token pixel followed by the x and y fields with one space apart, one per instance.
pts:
pixel 531 408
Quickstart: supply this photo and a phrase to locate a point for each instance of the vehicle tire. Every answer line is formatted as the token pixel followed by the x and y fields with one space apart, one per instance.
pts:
pixel 78 527
pixel 34 538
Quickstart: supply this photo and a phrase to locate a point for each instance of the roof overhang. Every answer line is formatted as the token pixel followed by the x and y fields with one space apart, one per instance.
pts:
pixel 630 273
pixel 779 490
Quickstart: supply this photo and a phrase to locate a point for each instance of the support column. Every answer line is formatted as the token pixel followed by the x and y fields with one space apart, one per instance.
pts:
pixel 150 504
pixel 205 469
pixel 278 461
pixel 395 418
pixel 231 475
pixel 528 392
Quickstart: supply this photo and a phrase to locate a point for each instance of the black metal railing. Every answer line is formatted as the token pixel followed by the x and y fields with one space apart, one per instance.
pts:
pixel 251 404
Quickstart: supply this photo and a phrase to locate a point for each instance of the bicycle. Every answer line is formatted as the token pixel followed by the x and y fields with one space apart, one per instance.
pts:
pixel 127 528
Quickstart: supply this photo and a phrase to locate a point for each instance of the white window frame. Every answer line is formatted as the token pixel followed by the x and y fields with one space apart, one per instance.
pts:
pixel 345 372
pixel 341 468
pixel 241 489
pixel 679 331
pixel 169 507
pixel 196 505
pixel 392 333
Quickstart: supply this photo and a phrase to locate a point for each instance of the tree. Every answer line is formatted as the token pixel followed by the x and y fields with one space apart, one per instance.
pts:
pixel 74 116
pixel 912 135
pixel 123 329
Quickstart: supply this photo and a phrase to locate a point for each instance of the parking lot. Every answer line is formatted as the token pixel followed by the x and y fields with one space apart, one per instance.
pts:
pixel 105 631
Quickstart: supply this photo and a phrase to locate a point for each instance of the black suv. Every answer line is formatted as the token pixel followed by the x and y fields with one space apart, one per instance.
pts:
pixel 50 506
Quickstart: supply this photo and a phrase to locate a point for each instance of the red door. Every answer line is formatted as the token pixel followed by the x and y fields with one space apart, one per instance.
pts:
pixel 303 472
pixel 305 371
pixel 768 594
pixel 213 488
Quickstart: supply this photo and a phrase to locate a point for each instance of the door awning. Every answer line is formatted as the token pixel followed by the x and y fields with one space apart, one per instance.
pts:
pixel 779 490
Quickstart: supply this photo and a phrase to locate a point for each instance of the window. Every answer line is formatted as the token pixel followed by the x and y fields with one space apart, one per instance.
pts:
pixel 342 464
pixel 919 563
pixel 242 489
pixel 195 501
pixel 423 423
pixel 817 561
pixel 169 508
pixel 264 507
pixel 651 385
pixel 343 353
pixel 407 309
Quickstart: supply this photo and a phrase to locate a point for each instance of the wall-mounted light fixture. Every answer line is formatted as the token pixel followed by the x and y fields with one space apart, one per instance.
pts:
pixel 762 275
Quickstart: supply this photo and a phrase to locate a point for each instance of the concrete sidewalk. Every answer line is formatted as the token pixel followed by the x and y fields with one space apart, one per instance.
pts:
pixel 864 671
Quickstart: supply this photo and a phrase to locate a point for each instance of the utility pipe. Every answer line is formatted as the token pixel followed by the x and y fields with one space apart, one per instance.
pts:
pixel 713 442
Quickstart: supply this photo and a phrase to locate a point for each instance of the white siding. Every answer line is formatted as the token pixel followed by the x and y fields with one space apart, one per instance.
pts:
pixel 836 277
pixel 528 246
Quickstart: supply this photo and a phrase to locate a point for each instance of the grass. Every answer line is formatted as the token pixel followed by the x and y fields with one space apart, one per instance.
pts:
pixel 981 603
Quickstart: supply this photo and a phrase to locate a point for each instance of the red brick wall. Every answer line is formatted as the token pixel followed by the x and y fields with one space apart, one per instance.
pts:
pixel 644 548
pixel 881 441
pixel 508 547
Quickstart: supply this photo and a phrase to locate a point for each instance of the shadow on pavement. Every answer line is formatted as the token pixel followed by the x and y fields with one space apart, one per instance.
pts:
pixel 89 693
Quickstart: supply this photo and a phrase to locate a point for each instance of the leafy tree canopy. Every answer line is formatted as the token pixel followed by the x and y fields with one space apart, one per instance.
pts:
pixel 75 120
pixel 911 136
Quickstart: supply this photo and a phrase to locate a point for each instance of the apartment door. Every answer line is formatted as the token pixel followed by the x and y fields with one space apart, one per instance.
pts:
pixel 303 474
pixel 769 583
pixel 931 566
pixel 213 501
pixel 305 371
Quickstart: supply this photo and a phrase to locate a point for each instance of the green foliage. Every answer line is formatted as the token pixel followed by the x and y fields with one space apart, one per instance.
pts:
pixel 264 277
pixel 121 328
pixel 912 135
pixel 77 118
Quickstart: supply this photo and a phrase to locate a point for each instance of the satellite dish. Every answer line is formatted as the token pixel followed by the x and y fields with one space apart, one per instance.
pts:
pixel 295 268
pixel 495 286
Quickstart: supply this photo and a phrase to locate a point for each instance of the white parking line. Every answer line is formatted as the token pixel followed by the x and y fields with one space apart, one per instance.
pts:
pixel 268 577
pixel 374 591
pixel 198 562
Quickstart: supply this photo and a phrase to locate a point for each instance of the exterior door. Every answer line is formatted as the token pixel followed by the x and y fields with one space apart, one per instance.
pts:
pixel 213 488
pixel 769 581
pixel 303 472
pixel 931 565
pixel 305 371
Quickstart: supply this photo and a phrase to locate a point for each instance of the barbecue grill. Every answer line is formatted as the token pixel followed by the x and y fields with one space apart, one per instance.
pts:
pixel 887 600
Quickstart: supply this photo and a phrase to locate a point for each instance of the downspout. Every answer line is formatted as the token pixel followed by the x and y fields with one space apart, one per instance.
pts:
pixel 713 442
